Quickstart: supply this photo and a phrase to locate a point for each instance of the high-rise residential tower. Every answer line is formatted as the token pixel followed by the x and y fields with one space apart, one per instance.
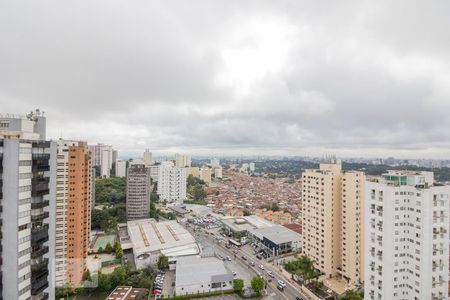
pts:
pixel 406 237
pixel 138 192
pixel 171 183
pixel 333 221
pixel 102 157
pixel 73 207
pixel 27 193
pixel 121 168
pixel 182 161
pixel 148 159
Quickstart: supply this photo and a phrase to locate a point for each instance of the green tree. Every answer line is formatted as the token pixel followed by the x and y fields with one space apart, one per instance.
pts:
pixel 238 285
pixel 257 284
pixel 110 190
pixel 199 192
pixel 352 295
pixel 100 250
pixel 163 262
pixel 104 282
pixel 246 212
pixel 108 248
pixel 118 250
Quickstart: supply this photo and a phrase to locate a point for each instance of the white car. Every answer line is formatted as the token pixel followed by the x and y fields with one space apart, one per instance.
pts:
pixel 261 267
pixel 281 282
pixel 270 274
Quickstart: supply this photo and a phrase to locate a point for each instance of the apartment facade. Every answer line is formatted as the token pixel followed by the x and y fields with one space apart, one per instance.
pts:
pixel 332 221
pixel 138 192
pixel 171 183
pixel 102 157
pixel 121 168
pixel 148 158
pixel 27 191
pixel 182 161
pixel 406 237
pixel 73 207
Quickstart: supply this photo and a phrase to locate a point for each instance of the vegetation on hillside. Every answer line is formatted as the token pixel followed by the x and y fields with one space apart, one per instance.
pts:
pixel 111 190
pixel 196 190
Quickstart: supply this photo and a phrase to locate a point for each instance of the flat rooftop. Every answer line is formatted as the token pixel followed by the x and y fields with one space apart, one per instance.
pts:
pixel 148 235
pixel 193 269
pixel 127 293
pixel 277 234
pixel 246 223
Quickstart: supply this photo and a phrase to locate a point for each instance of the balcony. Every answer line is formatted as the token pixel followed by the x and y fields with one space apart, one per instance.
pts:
pixel 39 252
pixel 39 204
pixel 40 216
pixel 43 263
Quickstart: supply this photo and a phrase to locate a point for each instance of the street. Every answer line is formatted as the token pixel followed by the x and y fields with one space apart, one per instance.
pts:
pixel 243 268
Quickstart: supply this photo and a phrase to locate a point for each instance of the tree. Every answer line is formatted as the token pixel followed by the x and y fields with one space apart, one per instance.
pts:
pixel 100 250
pixel 163 262
pixel 199 192
pixel 87 275
pixel 352 295
pixel 108 248
pixel 118 250
pixel 257 284
pixel 238 285
pixel 246 212
pixel 110 190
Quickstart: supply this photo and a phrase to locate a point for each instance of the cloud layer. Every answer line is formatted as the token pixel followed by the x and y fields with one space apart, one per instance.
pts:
pixel 357 78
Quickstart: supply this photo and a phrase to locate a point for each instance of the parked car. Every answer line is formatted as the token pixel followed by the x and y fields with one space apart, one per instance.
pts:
pixel 244 258
pixel 270 274
pixel 281 288
pixel 252 263
pixel 261 267
pixel 258 256
pixel 228 258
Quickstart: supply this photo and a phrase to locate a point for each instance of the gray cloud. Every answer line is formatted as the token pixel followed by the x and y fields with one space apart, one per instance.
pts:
pixel 296 77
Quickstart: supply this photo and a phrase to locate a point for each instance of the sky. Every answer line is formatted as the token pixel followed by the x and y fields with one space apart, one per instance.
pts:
pixel 233 77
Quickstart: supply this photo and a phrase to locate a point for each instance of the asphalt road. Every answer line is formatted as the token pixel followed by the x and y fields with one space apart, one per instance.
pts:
pixel 290 292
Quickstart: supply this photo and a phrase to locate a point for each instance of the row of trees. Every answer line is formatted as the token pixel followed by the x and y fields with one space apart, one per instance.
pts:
pixel 257 285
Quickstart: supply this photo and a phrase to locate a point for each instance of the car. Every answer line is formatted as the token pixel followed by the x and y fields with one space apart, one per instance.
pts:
pixel 244 258
pixel 281 288
pixel 260 274
pixel 234 274
pixel 298 298
pixel 258 256
pixel 270 274
pixel 261 267
pixel 228 258
pixel 281 282
pixel 252 263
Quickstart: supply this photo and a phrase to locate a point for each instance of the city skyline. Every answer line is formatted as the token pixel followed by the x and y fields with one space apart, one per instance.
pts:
pixel 261 78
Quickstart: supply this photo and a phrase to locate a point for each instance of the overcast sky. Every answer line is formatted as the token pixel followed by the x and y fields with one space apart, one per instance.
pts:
pixel 354 78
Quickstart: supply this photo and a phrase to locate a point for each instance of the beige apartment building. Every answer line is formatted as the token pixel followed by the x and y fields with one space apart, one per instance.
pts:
pixel 332 220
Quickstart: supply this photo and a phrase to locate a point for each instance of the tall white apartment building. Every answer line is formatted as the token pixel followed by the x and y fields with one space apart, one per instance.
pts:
pixel 138 192
pixel 148 159
pixel 154 172
pixel 102 157
pixel 215 162
pixel 406 237
pixel 171 183
pixel 121 168
pixel 182 161
pixel 27 199
pixel 333 221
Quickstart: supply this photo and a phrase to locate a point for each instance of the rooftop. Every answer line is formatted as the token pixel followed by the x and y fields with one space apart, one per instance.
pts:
pixel 148 236
pixel 245 223
pixel 193 269
pixel 277 234
pixel 127 293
